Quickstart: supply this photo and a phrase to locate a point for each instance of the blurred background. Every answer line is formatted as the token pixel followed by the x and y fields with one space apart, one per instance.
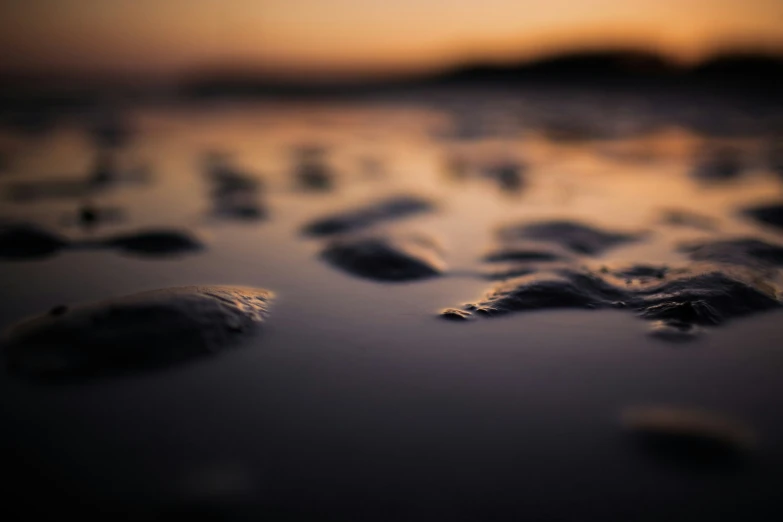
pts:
pixel 147 43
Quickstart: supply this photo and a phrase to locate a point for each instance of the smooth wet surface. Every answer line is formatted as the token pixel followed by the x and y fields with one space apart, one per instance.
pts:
pixel 690 437
pixel 357 402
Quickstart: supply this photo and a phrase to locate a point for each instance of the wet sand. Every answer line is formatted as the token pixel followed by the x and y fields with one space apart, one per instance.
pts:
pixel 358 402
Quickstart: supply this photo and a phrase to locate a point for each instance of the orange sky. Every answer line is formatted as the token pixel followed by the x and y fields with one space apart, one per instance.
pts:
pixel 169 36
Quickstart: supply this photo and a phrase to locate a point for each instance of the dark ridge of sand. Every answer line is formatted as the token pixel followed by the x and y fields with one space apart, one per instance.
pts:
pixel 686 218
pixel 225 177
pixel 771 214
pixel 25 241
pixel 699 294
pixel 455 314
pixel 150 243
pixel 704 293
pixel 688 437
pixel 550 289
pixel 312 173
pixel 708 295
pixel 525 251
pixel 110 129
pixel 517 257
pixel 234 194
pixel 721 164
pixel 581 239
pixel 642 272
pixel 501 272
pixel 242 207
pixel 384 257
pixel 140 331
pixel 89 216
pixel 389 209
pixel 745 251
pixel 775 159
pixel 508 175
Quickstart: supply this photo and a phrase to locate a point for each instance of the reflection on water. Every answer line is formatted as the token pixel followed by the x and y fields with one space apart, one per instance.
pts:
pixel 357 402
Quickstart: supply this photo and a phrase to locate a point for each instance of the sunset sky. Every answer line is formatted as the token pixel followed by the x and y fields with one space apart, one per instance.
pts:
pixel 162 37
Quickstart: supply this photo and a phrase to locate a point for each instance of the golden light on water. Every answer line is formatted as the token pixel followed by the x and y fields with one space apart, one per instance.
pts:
pixel 361 36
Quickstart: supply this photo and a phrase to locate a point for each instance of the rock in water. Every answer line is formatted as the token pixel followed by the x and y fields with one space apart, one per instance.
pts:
pixel 385 210
pixel 402 257
pixel 582 239
pixel 146 330
pixel 27 242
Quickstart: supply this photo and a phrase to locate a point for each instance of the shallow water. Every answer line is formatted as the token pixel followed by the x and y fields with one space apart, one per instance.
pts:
pixel 356 401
